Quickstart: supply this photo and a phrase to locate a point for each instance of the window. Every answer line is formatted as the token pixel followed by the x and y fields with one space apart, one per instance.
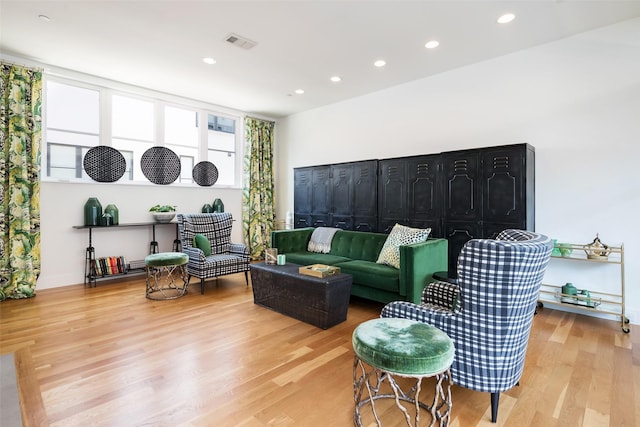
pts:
pixel 73 126
pixel 221 147
pixel 132 130
pixel 80 116
pixel 181 135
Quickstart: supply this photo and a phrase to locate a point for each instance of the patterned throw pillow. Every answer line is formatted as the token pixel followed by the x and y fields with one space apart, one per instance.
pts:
pixel 400 235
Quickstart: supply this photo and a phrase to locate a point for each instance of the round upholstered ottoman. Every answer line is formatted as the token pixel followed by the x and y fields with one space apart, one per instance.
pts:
pixel 166 275
pixel 406 348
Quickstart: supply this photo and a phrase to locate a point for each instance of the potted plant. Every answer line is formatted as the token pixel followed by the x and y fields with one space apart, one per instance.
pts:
pixel 163 213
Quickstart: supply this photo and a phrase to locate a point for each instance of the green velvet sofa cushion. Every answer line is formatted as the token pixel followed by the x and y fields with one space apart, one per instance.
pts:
pixel 308 258
pixel 375 275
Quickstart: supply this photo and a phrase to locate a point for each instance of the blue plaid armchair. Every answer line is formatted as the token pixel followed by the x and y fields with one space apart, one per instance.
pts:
pixel 489 312
pixel 226 257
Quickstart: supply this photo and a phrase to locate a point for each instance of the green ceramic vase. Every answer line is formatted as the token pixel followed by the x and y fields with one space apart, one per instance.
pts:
pixel 113 211
pixel 218 206
pixel 92 211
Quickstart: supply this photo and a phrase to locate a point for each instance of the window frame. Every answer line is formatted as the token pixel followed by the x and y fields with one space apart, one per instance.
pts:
pixel 160 101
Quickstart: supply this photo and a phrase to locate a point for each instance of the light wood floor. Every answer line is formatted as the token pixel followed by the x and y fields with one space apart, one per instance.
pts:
pixel 107 356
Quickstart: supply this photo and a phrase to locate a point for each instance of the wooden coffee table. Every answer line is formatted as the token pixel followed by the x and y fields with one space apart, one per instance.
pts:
pixel 322 302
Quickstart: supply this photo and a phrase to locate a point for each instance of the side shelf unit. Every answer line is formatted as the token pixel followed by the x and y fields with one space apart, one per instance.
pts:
pixel 133 267
pixel 612 303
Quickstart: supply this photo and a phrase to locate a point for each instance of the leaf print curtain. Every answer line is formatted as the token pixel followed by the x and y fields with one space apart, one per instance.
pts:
pixel 20 133
pixel 257 196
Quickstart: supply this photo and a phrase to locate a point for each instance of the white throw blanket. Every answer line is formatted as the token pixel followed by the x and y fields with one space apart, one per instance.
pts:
pixel 321 239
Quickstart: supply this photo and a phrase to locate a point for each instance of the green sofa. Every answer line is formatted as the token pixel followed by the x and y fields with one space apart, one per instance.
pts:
pixel 356 252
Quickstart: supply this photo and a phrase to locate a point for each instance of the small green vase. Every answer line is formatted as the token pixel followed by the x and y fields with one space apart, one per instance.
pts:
pixel 92 211
pixel 218 206
pixel 207 208
pixel 113 211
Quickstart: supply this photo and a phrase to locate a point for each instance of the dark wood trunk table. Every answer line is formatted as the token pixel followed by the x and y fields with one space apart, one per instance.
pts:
pixel 322 302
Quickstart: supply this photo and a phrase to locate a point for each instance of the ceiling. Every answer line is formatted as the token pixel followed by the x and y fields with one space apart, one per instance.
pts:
pixel 300 44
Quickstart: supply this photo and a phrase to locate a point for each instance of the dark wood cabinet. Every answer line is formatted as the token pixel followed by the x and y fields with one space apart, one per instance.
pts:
pixel 460 195
pixel 409 193
pixel 487 190
pixel 341 195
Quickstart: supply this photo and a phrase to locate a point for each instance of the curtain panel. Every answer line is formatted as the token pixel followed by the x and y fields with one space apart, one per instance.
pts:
pixel 20 134
pixel 258 209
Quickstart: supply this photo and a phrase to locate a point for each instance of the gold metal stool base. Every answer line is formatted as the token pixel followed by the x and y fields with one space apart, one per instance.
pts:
pixel 371 380
pixel 173 285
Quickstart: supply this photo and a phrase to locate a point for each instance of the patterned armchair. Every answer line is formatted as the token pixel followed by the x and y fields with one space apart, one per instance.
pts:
pixel 489 312
pixel 226 257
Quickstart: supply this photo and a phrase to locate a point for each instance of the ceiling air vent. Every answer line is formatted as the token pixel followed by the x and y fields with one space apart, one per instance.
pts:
pixel 240 41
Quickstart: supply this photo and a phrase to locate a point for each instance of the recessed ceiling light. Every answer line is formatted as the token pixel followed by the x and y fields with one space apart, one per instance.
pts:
pixel 506 18
pixel 299 91
pixel 380 63
pixel 44 18
pixel 335 79
pixel 209 61
pixel 432 44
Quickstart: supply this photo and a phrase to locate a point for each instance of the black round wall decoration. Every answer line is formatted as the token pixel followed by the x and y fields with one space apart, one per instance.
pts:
pixel 160 165
pixel 104 164
pixel 205 174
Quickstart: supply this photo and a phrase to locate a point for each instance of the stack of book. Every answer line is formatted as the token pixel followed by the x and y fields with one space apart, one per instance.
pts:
pixel 106 266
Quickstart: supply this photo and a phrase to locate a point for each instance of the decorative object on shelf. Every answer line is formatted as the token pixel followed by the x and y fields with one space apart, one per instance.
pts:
pixel 92 211
pixel 218 206
pixel 565 249
pixel 205 174
pixel 570 291
pixel 112 210
pixel 163 213
pixel 207 208
pixel 597 249
pixel 160 165
pixel 556 249
pixel 104 164
pixel 106 220
pixel 271 256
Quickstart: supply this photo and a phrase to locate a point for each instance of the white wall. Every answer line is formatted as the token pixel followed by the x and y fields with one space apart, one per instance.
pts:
pixel 61 206
pixel 577 101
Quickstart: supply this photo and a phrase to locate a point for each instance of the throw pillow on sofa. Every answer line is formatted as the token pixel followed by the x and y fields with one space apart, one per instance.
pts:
pixel 400 235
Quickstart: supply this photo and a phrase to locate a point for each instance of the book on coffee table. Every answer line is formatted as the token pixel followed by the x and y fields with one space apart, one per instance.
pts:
pixel 319 270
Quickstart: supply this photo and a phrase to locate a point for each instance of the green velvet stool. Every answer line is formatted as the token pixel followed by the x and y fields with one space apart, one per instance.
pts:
pixel 401 348
pixel 167 275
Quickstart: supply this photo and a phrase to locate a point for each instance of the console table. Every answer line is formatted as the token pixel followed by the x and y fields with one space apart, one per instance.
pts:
pixel 90 275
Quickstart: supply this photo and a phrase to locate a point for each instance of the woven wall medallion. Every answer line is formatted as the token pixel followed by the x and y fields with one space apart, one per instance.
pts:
pixel 160 165
pixel 104 164
pixel 205 174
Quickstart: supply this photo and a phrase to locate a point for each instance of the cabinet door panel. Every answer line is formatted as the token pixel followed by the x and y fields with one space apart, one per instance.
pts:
pixel 301 221
pixel 342 189
pixel 321 190
pixel 365 224
pixel 302 185
pixel 365 188
pixel 392 189
pixel 424 198
pixel 504 182
pixel 462 186
pixel 321 220
pixel 342 222
pixel 457 234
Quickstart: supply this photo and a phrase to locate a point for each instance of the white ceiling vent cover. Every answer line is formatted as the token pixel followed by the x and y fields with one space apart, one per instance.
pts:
pixel 240 41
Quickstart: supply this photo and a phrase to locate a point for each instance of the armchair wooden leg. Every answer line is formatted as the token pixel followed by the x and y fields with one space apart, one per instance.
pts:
pixel 202 286
pixel 495 397
pixel 246 277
